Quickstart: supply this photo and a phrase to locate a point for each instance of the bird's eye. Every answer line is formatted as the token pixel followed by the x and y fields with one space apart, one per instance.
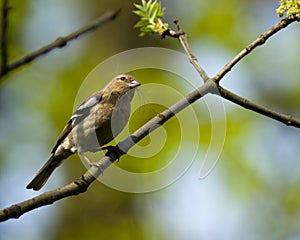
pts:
pixel 123 78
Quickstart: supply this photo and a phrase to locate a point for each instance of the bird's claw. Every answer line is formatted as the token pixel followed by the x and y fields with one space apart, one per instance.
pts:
pixel 114 150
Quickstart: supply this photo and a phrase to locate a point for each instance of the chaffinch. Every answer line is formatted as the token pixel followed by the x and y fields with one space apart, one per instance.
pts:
pixel 99 119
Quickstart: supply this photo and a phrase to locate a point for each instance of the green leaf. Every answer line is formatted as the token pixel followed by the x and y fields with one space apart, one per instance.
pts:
pixel 139 13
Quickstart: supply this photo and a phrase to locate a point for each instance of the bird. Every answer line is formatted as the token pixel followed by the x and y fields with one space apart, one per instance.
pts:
pixel 97 121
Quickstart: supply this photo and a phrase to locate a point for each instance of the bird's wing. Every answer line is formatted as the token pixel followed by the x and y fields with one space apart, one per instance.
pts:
pixel 82 111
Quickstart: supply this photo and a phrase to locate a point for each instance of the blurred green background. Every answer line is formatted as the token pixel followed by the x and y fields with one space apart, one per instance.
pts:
pixel 253 191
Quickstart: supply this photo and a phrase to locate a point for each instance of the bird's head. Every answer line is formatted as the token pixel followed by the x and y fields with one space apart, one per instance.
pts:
pixel 121 85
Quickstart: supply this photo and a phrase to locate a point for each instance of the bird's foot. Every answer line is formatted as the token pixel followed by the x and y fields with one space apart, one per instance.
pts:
pixel 114 150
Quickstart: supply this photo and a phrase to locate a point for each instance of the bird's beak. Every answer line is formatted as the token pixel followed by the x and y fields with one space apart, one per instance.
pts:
pixel 134 83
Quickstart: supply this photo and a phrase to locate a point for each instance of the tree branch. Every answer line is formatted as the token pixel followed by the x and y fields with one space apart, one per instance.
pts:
pixel 5 9
pixel 47 198
pixel 259 41
pixel 62 41
pixel 81 185
pixel 286 119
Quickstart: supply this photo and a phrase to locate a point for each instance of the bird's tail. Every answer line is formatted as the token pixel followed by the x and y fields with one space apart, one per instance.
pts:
pixel 44 173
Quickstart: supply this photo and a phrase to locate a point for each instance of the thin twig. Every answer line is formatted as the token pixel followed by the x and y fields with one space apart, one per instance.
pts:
pixel 259 41
pixel 182 37
pixel 192 58
pixel 194 61
pixel 81 185
pixel 4 28
pixel 62 41
pixel 286 119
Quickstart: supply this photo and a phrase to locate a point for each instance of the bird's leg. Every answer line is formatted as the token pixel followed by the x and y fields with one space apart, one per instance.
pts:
pixel 96 150
pixel 89 162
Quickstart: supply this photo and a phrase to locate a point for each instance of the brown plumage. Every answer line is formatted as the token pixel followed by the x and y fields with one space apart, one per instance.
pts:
pixel 96 122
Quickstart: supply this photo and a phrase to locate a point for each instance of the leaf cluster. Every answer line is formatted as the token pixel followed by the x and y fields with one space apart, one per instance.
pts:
pixel 290 7
pixel 151 15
